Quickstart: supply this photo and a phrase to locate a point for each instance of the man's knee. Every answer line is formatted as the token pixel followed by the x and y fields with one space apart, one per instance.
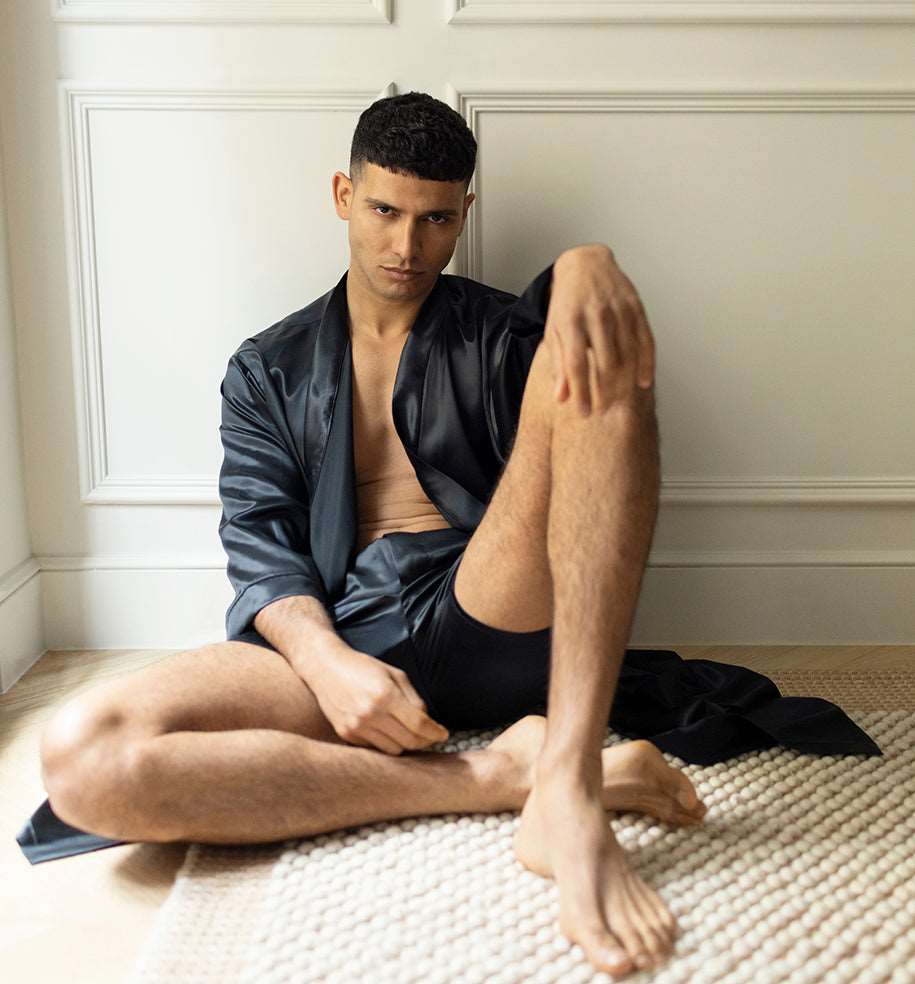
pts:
pixel 83 750
pixel 79 724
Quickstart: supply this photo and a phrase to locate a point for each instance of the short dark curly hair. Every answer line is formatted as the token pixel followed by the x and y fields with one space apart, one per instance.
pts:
pixel 414 134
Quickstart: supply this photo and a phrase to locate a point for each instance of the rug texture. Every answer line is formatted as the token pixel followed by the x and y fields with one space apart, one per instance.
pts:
pixel 803 871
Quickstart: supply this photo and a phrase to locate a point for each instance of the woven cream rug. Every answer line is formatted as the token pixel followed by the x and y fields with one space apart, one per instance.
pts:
pixel 803 871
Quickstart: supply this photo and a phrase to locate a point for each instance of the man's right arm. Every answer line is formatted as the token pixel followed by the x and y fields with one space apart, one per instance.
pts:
pixel 279 591
pixel 265 525
pixel 299 627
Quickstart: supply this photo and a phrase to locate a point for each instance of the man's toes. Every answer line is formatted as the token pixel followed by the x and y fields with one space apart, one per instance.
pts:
pixel 607 954
pixel 666 921
pixel 658 929
pixel 656 943
pixel 638 952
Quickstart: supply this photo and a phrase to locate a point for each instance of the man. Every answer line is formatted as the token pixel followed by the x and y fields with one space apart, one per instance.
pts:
pixel 438 502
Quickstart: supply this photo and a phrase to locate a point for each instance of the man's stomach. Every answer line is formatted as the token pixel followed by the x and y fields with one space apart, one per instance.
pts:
pixel 373 530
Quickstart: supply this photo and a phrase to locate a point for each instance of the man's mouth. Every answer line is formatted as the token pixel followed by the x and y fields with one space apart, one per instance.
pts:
pixel 399 274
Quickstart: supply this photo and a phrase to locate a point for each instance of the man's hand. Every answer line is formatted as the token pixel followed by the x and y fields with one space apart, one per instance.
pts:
pixel 371 703
pixel 597 330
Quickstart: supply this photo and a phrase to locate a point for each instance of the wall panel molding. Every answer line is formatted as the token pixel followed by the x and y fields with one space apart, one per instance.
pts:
pixel 99 486
pixel 679 11
pixel 472 102
pixel 226 11
pixel 77 103
pixel 791 491
pixel 660 558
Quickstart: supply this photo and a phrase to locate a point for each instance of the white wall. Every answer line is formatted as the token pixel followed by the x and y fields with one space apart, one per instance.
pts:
pixel 171 195
pixel 21 630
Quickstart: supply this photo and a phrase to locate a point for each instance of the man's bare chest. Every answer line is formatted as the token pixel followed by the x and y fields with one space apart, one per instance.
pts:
pixel 377 445
pixel 389 496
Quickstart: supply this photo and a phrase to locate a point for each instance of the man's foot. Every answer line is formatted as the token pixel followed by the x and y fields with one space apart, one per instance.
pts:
pixel 605 907
pixel 636 776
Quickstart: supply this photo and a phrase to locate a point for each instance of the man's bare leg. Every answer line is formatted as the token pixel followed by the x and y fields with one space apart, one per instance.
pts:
pixel 259 785
pixel 603 505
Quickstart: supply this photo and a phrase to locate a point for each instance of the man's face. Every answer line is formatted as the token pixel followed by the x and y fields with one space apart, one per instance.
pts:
pixel 402 222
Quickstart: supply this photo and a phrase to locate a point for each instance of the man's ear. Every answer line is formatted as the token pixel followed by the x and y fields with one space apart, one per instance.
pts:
pixel 467 203
pixel 343 191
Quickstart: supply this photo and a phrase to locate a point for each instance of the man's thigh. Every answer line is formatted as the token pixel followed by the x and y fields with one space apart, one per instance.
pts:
pixel 504 578
pixel 224 686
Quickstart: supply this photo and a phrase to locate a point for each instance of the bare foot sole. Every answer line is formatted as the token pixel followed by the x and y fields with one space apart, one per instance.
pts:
pixel 619 921
pixel 636 776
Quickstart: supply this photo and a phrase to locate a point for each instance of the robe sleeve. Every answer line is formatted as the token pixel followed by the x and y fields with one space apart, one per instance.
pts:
pixel 511 335
pixel 265 508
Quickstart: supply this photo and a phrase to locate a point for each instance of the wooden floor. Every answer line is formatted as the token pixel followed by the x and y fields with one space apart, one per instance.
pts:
pixel 84 918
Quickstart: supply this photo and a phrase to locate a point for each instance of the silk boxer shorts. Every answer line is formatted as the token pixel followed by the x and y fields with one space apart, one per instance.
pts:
pixel 399 605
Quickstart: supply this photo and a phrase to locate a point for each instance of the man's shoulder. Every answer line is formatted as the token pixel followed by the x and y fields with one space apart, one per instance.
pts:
pixel 470 298
pixel 290 332
pixel 467 286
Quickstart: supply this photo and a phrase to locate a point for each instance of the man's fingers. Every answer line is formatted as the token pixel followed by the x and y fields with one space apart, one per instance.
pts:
pixel 596 386
pixel 413 713
pixel 576 353
pixel 555 344
pixel 626 336
pixel 381 741
pixel 397 730
pixel 409 732
pixel 402 680
pixel 647 357
pixel 602 357
pixel 424 726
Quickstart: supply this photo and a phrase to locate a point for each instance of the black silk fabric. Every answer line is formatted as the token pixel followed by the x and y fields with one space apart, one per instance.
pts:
pixel 288 483
pixel 288 525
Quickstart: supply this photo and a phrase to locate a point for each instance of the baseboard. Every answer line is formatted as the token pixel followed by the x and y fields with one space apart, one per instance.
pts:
pixel 712 599
pixel 772 605
pixel 21 622
pixel 134 602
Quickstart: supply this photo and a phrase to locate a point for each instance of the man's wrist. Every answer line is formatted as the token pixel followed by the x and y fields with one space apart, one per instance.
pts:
pixel 319 646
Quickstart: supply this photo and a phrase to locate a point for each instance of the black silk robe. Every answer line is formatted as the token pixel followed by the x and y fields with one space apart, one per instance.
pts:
pixel 289 523
pixel 288 483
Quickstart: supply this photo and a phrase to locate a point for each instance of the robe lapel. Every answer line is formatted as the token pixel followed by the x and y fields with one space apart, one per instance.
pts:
pixel 434 443
pixel 411 370
pixel 329 426
pixel 329 429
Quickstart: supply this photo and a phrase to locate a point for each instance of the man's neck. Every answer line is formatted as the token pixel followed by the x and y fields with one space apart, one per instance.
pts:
pixel 379 319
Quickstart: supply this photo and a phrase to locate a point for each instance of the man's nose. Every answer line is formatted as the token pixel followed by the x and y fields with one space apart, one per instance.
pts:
pixel 408 241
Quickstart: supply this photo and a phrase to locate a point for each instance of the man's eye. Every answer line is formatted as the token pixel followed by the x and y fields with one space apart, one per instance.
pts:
pixel 443 218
